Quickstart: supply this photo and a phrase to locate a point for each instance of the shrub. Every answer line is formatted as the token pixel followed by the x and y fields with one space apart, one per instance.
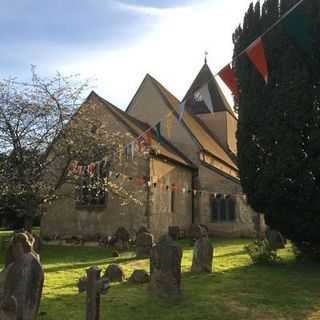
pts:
pixel 261 252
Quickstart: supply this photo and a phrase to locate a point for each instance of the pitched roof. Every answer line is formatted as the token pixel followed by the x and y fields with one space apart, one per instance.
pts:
pixel 218 99
pixel 137 128
pixel 198 131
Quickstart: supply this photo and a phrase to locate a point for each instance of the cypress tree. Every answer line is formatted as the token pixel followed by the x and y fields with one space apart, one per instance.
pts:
pixel 278 132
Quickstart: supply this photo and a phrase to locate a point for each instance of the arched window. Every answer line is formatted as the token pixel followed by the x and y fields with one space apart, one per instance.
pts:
pixel 222 209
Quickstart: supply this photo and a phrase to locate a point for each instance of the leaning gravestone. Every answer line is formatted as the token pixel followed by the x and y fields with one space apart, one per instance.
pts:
pixel 275 239
pixel 202 255
pixel 139 277
pixel 114 273
pixel 165 268
pixel 23 278
pixel 144 243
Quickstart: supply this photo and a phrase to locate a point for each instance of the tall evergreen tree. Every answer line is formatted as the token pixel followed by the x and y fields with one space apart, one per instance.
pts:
pixel 278 133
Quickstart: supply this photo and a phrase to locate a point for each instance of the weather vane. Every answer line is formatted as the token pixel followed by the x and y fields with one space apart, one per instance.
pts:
pixel 205 57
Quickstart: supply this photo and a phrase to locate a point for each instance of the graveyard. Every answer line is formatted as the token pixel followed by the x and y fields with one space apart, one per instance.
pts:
pixel 236 289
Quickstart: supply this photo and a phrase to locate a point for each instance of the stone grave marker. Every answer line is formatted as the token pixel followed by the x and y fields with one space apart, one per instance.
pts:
pixel 144 243
pixel 165 268
pixel 202 255
pixel 23 278
pixel 94 286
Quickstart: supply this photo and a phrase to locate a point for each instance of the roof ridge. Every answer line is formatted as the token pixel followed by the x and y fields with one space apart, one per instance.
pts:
pixel 125 118
pixel 159 86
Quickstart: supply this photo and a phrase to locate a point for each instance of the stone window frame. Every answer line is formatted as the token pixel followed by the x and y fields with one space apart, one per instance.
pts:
pixel 222 209
pixel 90 194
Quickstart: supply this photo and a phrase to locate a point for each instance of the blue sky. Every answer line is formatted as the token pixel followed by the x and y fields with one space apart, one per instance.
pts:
pixel 116 42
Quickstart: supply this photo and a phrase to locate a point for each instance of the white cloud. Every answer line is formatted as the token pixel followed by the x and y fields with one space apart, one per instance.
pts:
pixel 172 50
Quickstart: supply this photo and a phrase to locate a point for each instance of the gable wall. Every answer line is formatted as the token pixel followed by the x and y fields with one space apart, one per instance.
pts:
pixel 161 217
pixel 64 219
pixel 148 106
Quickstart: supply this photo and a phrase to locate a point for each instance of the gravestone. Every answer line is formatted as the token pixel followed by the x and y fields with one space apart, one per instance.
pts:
pixel 114 273
pixel 8 309
pixel 197 231
pixel 144 243
pixel 174 232
pixel 165 268
pixel 23 278
pixel 94 286
pixel 202 255
pixel 275 239
pixel 139 277
pixel 121 237
pixel 31 242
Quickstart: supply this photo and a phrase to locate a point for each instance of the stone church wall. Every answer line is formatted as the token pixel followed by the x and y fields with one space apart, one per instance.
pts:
pixel 166 176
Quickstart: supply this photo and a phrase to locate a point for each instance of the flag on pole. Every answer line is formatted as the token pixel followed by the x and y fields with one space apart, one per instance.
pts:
pixel 181 109
pixel 228 76
pixel 257 56
pixel 204 95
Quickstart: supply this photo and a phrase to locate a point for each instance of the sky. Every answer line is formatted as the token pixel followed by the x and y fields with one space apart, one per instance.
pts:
pixel 116 42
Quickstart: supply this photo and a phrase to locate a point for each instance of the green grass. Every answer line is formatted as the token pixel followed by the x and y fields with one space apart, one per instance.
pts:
pixel 236 289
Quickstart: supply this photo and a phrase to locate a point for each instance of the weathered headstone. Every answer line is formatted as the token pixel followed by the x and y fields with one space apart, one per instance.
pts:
pixel 93 285
pixel 197 231
pixel 165 268
pixel 121 237
pixel 114 273
pixel 23 278
pixel 275 239
pixel 139 277
pixel 8 309
pixel 202 255
pixel 144 243
pixel 174 232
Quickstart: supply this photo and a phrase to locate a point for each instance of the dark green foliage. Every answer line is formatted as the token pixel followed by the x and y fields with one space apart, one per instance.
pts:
pixel 261 252
pixel 278 134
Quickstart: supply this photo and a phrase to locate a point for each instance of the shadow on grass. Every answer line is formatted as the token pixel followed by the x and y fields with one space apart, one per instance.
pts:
pixel 248 292
pixel 87 264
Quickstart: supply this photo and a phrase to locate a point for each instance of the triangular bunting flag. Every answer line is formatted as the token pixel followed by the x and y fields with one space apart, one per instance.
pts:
pixel 204 93
pixel 158 131
pixel 181 109
pixel 228 76
pixel 257 56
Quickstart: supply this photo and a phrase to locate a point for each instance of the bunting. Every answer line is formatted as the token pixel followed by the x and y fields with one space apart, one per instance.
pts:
pixel 257 56
pixel 158 131
pixel 182 107
pixel 228 76
pixel 204 94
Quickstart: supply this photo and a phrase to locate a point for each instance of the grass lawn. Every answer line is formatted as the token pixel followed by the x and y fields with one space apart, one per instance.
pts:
pixel 236 289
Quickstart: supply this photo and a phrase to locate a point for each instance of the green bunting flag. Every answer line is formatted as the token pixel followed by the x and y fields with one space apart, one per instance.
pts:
pixel 295 24
pixel 158 131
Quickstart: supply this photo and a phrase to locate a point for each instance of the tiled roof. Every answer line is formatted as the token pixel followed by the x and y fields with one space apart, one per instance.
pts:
pixel 199 132
pixel 218 99
pixel 138 127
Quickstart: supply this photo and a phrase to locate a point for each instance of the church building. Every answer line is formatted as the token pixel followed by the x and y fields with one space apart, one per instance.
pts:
pixel 187 174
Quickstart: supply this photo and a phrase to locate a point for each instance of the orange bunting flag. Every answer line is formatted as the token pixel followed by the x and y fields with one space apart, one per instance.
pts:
pixel 228 76
pixel 257 56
